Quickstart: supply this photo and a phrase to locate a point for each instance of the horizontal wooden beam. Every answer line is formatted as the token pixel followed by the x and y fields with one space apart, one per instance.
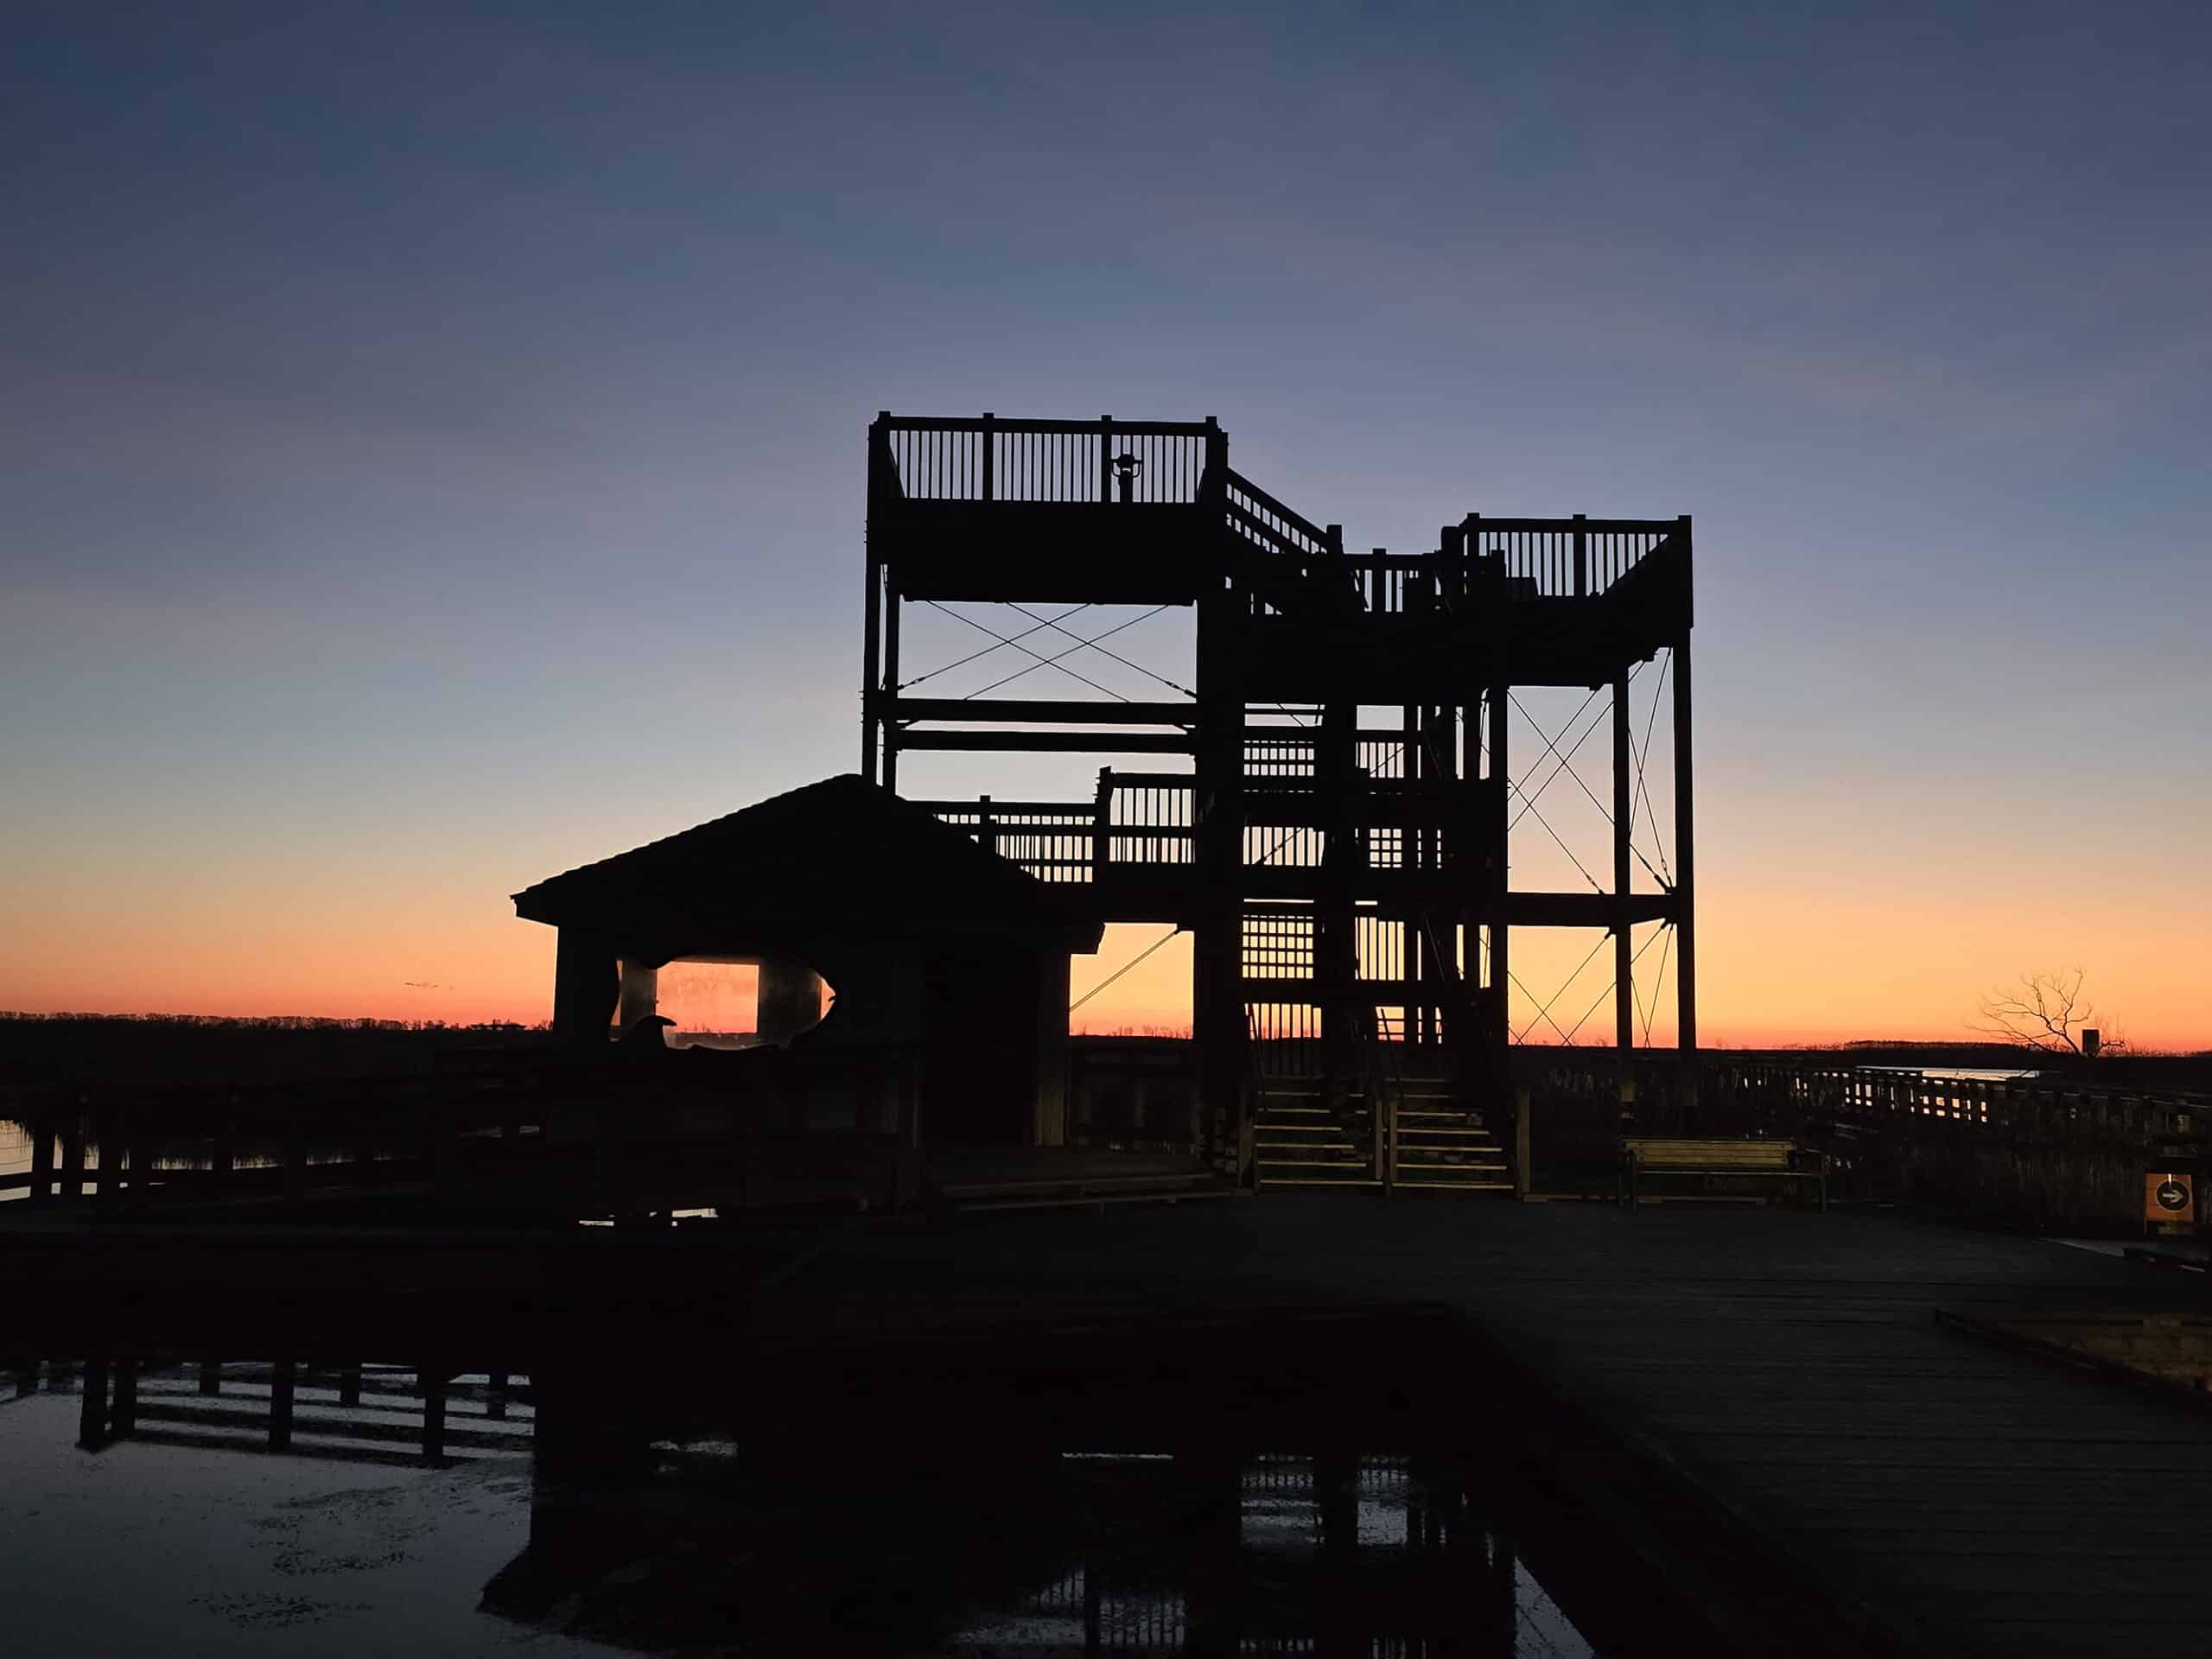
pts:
pixel 1585 909
pixel 1565 526
pixel 975 803
pixel 889 423
pixel 1045 742
pixel 1042 712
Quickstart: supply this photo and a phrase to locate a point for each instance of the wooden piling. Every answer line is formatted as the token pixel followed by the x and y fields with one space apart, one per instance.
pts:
pixel 282 1376
pixel 41 1130
pixel 73 1158
pixel 122 1415
pixel 1623 959
pixel 433 1384
pixel 92 1414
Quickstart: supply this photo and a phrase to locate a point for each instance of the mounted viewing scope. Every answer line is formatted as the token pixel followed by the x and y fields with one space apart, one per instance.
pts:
pixel 1126 467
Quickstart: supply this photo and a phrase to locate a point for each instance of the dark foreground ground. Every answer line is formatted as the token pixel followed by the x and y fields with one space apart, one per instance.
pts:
pixel 1752 1420
pixel 1788 1369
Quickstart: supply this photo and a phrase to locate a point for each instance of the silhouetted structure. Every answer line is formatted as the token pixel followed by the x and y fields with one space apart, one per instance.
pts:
pixel 1345 883
pixel 949 966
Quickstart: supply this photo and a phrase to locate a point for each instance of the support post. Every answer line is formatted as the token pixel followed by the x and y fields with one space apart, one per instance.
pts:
pixel 882 487
pixel 870 660
pixel 1336 964
pixel 284 1376
pixel 1217 994
pixel 1500 870
pixel 123 1417
pixel 91 1413
pixel 41 1134
pixel 211 1377
pixel 1623 959
pixel 1520 1142
pixel 888 695
pixel 72 1156
pixel 1685 876
pixel 433 1414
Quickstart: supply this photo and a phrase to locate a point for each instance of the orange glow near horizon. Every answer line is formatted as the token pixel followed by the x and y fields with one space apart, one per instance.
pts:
pixel 1912 968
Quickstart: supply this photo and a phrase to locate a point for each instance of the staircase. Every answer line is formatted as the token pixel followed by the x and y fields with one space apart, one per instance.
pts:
pixel 1441 1144
pixel 1298 1140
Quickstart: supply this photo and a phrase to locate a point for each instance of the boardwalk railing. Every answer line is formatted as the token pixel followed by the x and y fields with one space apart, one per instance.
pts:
pixel 2028 1110
pixel 1783 1097
pixel 526 1136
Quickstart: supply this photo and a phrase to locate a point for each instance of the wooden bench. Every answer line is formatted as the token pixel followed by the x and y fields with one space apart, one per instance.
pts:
pixel 1781 1162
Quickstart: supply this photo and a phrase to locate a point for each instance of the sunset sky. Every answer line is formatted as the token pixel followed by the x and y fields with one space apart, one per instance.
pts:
pixel 433 439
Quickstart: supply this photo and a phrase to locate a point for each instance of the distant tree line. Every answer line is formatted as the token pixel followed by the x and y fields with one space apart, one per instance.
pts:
pixel 162 1048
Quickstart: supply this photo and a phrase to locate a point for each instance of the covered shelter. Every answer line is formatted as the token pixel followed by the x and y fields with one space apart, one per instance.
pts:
pixel 947 964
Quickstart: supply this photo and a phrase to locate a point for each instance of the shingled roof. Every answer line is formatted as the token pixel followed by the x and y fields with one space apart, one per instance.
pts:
pixel 843 852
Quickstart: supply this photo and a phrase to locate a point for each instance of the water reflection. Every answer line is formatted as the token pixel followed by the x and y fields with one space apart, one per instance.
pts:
pixel 704 1542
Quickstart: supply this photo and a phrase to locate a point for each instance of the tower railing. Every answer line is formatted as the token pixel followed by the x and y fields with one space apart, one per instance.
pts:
pixel 989 458
pixel 1565 558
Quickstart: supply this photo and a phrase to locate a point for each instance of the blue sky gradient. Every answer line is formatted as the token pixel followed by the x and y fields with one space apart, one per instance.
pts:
pixel 433 438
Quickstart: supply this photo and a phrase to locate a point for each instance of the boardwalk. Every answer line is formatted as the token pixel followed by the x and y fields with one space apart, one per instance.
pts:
pixel 1953 1495
pixel 1741 1390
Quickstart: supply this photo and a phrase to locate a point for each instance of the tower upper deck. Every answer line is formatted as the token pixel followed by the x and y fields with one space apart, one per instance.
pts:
pixel 1150 513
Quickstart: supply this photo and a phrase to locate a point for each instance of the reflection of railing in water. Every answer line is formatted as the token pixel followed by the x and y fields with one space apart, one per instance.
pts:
pixel 372 1414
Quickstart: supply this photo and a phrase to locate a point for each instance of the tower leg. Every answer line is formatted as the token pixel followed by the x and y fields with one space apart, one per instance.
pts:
pixel 1624 960
pixel 1685 877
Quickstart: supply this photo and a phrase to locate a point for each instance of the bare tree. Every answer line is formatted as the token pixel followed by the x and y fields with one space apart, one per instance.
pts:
pixel 2049 1011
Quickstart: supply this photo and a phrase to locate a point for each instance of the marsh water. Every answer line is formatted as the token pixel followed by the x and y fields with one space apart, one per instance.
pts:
pixel 187 1536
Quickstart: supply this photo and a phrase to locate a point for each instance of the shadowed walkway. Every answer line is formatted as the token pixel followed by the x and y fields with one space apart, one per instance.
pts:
pixel 1956 1495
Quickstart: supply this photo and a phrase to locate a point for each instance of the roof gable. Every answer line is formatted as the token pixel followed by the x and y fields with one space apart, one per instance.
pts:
pixel 841 852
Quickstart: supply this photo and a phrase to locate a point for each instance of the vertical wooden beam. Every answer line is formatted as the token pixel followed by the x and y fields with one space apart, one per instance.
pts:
pixel 1495 868
pixel 349 1385
pixel 1685 870
pixel 41 1129
pixel 1217 923
pixel 211 1376
pixel 72 1156
pixel 91 1415
pixel 1336 964
pixel 878 495
pixel 123 1417
pixel 887 729
pixel 434 1413
pixel 1624 968
pixel 283 1376
pixel 586 986
pixel 101 1118
pixel 871 650
pixel 1523 1136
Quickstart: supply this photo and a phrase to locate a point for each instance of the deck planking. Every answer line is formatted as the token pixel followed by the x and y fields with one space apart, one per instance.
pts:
pixel 1961 1496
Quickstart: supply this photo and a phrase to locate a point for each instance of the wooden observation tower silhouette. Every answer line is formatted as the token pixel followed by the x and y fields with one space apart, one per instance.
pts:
pixel 1346 882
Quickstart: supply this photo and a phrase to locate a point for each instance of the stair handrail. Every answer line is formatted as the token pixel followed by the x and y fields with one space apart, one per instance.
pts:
pixel 1313 538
